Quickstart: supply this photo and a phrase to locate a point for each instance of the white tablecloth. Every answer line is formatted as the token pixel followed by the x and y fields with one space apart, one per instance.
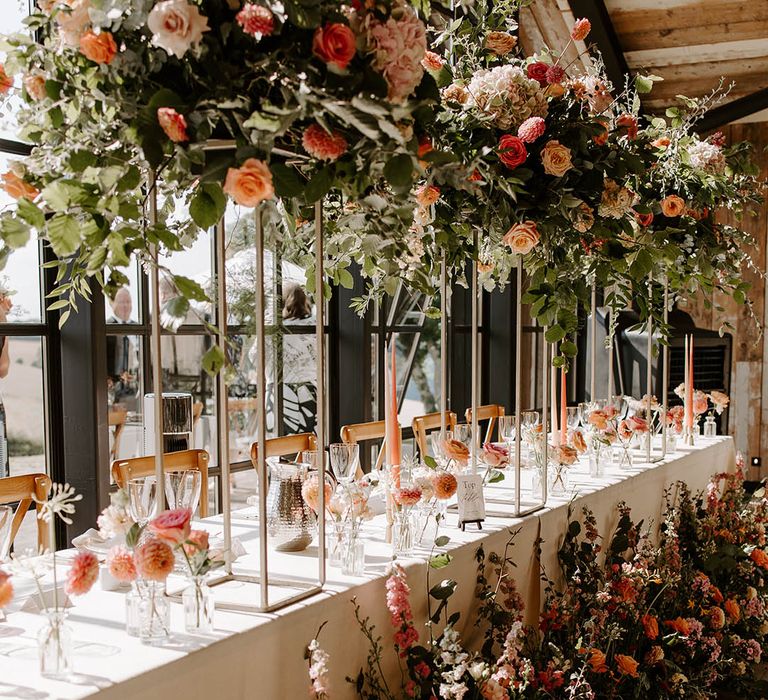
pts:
pixel 261 655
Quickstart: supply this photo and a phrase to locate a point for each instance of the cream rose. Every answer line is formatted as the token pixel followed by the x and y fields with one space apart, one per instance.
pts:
pixel 249 184
pixel 34 84
pixel 556 158
pixel 176 26
pixel 522 238
pixel 500 43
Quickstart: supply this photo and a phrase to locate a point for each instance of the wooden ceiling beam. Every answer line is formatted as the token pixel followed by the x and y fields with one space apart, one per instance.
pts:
pixel 700 53
pixel 666 37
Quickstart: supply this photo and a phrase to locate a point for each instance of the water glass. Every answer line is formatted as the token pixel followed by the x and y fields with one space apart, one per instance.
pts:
pixel 311 457
pixel 507 428
pixel 6 519
pixel 182 488
pixel 142 498
pixel 345 457
pixel 437 440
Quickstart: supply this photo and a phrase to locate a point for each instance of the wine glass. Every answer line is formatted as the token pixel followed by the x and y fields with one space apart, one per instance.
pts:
pixel 437 440
pixel 142 498
pixel 584 409
pixel 463 433
pixel 6 519
pixel 182 488
pixel 344 460
pixel 310 457
pixel 572 417
pixel 507 433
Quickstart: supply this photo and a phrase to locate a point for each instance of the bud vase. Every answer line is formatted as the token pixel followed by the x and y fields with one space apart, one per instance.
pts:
pixel 154 612
pixel 595 460
pixel 198 606
pixel 402 531
pixel 622 457
pixel 558 479
pixel 132 610
pixel 54 642
pixel 353 559
pixel 710 427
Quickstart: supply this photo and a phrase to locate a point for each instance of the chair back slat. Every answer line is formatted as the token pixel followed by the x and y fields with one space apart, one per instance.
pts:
pixel 491 413
pixel 285 445
pixel 422 425
pixel 125 469
pixel 20 489
pixel 360 432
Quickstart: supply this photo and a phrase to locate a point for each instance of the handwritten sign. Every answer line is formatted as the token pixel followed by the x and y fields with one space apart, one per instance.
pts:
pixel 470 499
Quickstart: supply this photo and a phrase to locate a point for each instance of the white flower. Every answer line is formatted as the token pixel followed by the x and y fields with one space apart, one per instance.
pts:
pixel 507 96
pixel 706 156
pixel 176 26
pixel 73 21
pixel 61 502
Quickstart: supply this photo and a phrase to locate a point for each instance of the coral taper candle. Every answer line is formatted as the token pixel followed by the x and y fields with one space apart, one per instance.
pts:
pixel 563 404
pixel 553 404
pixel 394 436
pixel 690 384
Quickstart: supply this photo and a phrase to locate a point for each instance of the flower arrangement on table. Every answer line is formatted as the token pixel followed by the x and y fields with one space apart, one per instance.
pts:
pixel 702 400
pixel 310 96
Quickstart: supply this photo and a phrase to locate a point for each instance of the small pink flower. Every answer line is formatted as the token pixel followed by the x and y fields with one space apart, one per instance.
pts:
pixel 700 402
pixel 310 492
pixel 581 28
pixel 407 496
pixel 6 589
pixel 154 560
pixel 82 574
pixel 494 455
pixel 432 61
pixel 172 526
pixel 173 124
pixel 34 84
pixel 531 129
pixel 256 20
pixel 637 424
pixel 121 564
pixel 555 75
pixel 322 145
pixel 196 542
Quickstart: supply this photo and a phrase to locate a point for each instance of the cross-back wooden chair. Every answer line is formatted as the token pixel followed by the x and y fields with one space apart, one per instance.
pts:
pixel 491 413
pixel 362 432
pixel 116 419
pixel 422 425
pixel 125 469
pixel 284 445
pixel 20 489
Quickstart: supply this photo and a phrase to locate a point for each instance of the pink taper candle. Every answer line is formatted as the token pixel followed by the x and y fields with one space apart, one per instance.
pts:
pixel 394 436
pixel 563 412
pixel 553 409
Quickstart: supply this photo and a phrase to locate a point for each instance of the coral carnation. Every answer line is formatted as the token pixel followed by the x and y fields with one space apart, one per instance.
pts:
pixel 173 124
pixel 154 560
pixel 580 30
pixel 531 129
pixel 256 20
pixel 82 574
pixel 121 564
pixel 322 145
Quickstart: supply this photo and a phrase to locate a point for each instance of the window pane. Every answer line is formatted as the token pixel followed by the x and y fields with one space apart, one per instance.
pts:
pixel 12 12
pixel 126 306
pixel 125 391
pixel 195 263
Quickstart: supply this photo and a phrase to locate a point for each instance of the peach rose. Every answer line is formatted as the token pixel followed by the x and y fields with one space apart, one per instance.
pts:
pixel 99 48
pixel 154 560
pixel 176 26
pixel 700 402
pixel 121 564
pixel 310 492
pixel 760 558
pixel 494 455
pixel 456 450
pixel 596 661
pixel 172 526
pixel 34 84
pixel 6 589
pixel 427 195
pixel 432 61
pixel 522 238
pixel 556 158
pixel 249 184
pixel 335 44
pixel 650 626
pixel 18 188
pixel 82 574
pixel 173 124
pixel 626 665
pixel 577 438
pixel 6 81
pixel 599 419
pixel 732 610
pixel 672 205
pixel 500 43
pixel 565 455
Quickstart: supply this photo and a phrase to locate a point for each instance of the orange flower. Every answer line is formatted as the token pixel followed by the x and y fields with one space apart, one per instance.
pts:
pixel 173 124
pixel 6 81
pixel 601 138
pixel 672 205
pixel 679 625
pixel 599 419
pixel 717 618
pixel 760 558
pixel 456 450
pixel 154 560
pixel 427 195
pixel 651 626
pixel 6 589
pixel 626 665
pixel 556 158
pixel 662 142
pixel 577 438
pixel 581 27
pixel 445 485
pixel 732 610
pixel 522 238
pixel 99 48
pixel 250 184
pixel 717 596
pixel 82 574
pixel 18 188
pixel 596 661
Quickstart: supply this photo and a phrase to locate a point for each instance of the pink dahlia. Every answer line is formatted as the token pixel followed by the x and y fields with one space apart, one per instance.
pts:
pixel 6 589
pixel 581 28
pixel 445 485
pixel 256 20
pixel 82 574
pixel 154 560
pixel 173 124
pixel 121 564
pixel 555 75
pixel 172 526
pixel 322 145
pixel 531 129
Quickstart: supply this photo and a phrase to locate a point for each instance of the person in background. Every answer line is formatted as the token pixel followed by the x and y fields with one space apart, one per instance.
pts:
pixel 122 358
pixel 5 365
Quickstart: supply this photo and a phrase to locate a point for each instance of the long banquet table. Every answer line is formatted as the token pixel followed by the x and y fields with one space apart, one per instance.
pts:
pixel 261 655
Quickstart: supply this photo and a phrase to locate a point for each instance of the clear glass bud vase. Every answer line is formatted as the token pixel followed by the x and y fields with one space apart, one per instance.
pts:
pixel 198 606
pixel 54 643
pixel 132 610
pixel 596 466
pixel 154 612
pixel 402 532
pixel 353 558
pixel 710 427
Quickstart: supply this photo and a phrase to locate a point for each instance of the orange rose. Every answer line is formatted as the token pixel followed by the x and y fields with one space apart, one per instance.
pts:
pixel 427 195
pixel 651 626
pixel 672 206
pixel 522 238
pixel 99 48
pixel 556 158
pixel 555 90
pixel 760 558
pixel 679 625
pixel 662 142
pixel 599 419
pixel 18 188
pixel 249 184
pixel 626 665
pixel 578 441
pixel 732 610
pixel 456 450
pixel 565 455
pixel 596 661
pixel 335 44
pixel 500 43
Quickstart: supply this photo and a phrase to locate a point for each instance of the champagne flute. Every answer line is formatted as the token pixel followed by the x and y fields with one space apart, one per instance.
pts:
pixel 142 498
pixel 572 418
pixel 507 433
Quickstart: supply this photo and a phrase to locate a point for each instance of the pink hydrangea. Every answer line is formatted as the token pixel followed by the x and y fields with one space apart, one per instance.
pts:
pixel 323 145
pixel 82 574
pixel 256 20
pixel 121 565
pixel 399 46
pixel 531 129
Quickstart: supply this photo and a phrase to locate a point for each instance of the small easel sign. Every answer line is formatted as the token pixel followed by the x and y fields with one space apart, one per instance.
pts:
pixel 470 500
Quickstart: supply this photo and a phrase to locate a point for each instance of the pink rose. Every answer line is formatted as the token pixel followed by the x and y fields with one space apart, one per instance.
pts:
pixel 173 124
pixel 700 402
pixel 512 151
pixel 172 526
pixel 250 184
pixel 538 71
pixel 494 455
pixel 82 574
pixel 176 26
pixel 456 450
pixel 637 424
pixel 121 564
pixel 154 560
pixel 335 44
pixel 256 20
pixel 196 542
pixel 522 238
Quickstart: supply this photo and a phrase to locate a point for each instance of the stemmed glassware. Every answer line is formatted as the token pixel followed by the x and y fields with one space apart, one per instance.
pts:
pixel 507 433
pixel 572 418
pixel 142 498
pixel 182 488
pixel 345 457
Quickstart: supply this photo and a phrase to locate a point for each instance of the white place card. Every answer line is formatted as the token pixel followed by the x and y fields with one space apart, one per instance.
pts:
pixel 469 496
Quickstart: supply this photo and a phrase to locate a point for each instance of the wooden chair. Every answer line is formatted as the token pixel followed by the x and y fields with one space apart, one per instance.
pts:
pixel 116 419
pixel 491 413
pixel 20 489
pixel 125 469
pixel 361 432
pixel 284 445
pixel 424 424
